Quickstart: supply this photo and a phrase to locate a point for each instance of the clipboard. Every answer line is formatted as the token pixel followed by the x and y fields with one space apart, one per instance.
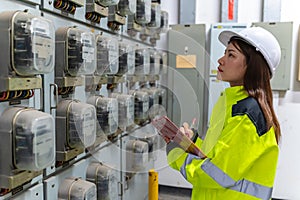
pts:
pixel 167 129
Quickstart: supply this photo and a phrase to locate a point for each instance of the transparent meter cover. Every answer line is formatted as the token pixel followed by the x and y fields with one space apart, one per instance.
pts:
pixel 142 61
pixel 127 7
pixel 107 113
pixel 141 105
pixel 126 58
pixel 143 11
pixel 164 23
pixel 126 109
pixel 154 61
pixel 107 2
pixel 34 140
pixel 81 119
pixel 137 154
pixel 81 53
pixel 153 95
pixel 107 55
pixel 105 178
pixel 77 189
pixel 32 48
pixel 155 16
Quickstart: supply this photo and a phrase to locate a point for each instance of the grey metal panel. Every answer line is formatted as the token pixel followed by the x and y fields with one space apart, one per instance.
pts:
pixel 271 10
pixel 283 31
pixel 188 85
pixel 187 13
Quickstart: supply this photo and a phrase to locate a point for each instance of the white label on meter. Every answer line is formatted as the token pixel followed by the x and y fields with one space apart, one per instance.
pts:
pixel 42 46
pixel 86 38
pixel 88 54
pixel 42 144
pixel 40 27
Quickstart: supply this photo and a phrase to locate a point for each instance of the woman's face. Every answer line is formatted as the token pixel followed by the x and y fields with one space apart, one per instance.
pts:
pixel 232 66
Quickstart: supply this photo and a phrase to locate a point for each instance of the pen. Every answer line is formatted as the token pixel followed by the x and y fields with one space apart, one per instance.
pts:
pixel 193 124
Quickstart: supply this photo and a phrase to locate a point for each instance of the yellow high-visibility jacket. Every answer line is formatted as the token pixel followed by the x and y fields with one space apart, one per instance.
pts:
pixel 241 152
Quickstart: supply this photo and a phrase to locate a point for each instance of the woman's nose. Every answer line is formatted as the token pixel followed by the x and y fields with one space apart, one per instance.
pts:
pixel 220 61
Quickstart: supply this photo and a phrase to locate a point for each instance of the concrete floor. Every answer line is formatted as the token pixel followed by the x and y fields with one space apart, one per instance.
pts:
pixel 174 193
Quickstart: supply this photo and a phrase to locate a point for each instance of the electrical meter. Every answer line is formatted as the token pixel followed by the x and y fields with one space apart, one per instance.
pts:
pixel 154 61
pixel 75 125
pixel 27 43
pixel 127 7
pixel 153 95
pixel 164 23
pixel 28 135
pixel 107 2
pixel 126 109
pixel 77 189
pixel 155 16
pixel 141 106
pixel 143 12
pixel 107 113
pixel 75 52
pixel 107 55
pixel 126 58
pixel 105 178
pixel 142 61
pixel 136 155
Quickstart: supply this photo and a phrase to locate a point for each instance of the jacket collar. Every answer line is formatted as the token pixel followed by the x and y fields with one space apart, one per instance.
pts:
pixel 234 94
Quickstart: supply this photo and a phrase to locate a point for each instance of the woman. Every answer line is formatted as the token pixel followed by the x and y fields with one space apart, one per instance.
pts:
pixel 242 141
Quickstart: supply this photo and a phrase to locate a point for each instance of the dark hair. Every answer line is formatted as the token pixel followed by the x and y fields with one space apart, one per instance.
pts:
pixel 257 81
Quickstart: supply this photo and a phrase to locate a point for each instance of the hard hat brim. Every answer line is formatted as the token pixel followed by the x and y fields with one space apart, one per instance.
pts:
pixel 225 36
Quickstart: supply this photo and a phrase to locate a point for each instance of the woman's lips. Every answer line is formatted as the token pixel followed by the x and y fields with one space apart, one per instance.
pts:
pixel 219 69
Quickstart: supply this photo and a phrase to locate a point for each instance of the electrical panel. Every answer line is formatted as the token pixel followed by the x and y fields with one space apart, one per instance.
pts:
pixel 67 68
pixel 107 55
pixel 283 31
pixel 126 58
pixel 107 113
pixel 142 61
pixel 76 188
pixel 105 179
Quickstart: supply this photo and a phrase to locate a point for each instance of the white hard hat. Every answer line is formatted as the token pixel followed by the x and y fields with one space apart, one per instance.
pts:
pixel 262 40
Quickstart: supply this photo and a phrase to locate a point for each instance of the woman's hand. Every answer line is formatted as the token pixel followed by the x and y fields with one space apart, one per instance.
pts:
pixel 186 130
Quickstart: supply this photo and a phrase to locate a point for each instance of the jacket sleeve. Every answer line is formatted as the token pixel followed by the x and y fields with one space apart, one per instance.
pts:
pixel 235 152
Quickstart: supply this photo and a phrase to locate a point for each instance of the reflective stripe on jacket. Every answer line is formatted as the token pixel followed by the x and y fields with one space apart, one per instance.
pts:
pixel 241 152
